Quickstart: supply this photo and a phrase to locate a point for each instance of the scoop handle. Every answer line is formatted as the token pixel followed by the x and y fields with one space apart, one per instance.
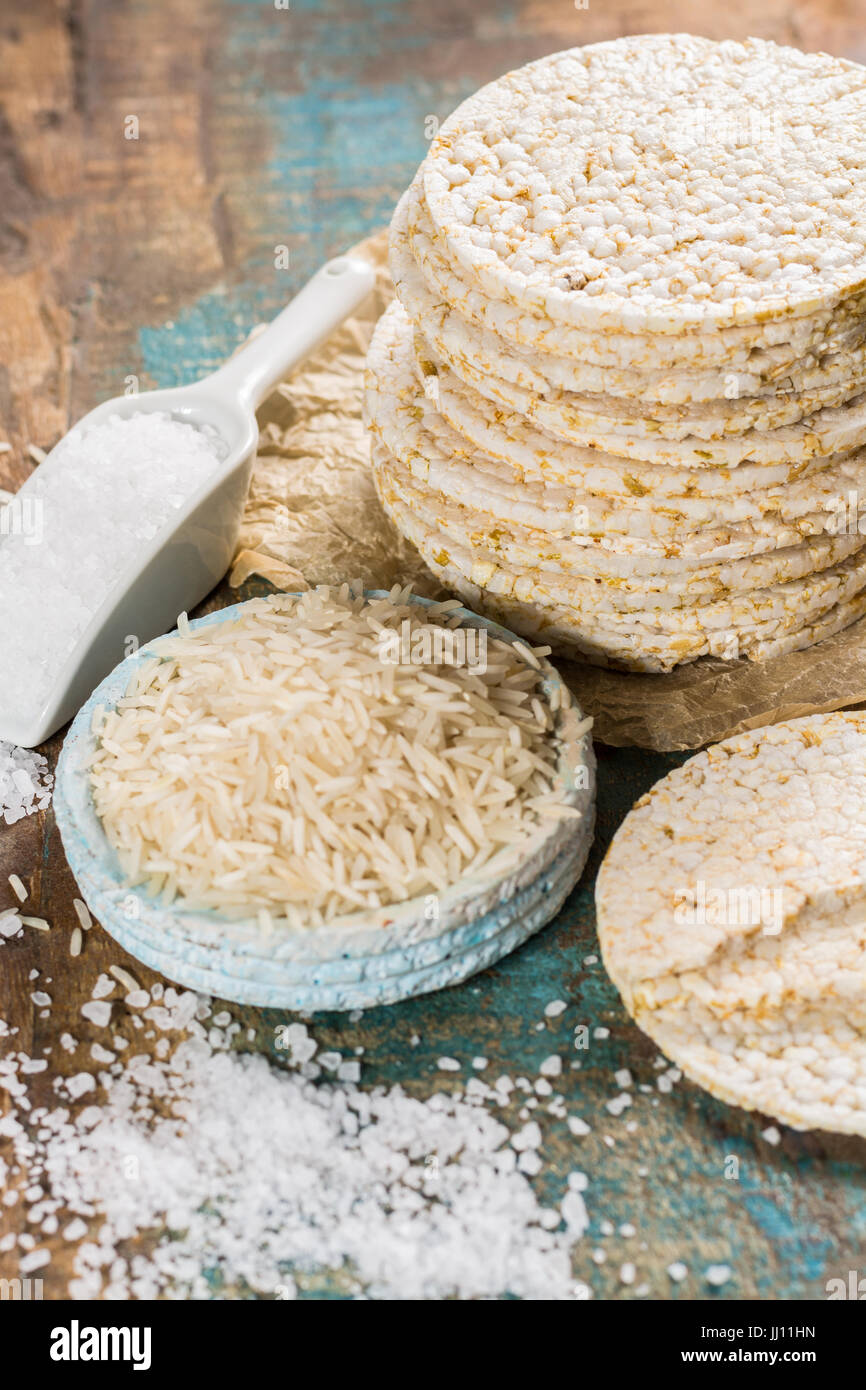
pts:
pixel 335 290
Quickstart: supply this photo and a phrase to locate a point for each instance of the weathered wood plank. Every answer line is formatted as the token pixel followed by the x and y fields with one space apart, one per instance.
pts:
pixel 260 127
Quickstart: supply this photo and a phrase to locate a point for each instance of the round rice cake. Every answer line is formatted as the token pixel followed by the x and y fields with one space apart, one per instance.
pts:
pixel 619 580
pixel 833 376
pixel 596 414
pixel 733 541
pixel 648 615
pixel 544 620
pixel 631 641
pixel 530 449
pixel 584 187
pixel 410 427
pixel 774 347
pixel 739 556
pixel 828 431
pixel 731 919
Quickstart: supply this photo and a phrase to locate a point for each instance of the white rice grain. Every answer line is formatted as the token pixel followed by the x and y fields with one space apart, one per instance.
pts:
pixel 18 888
pixel 284 766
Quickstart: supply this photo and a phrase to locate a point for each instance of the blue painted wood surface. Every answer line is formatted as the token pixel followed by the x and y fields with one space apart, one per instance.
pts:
pixel 315 121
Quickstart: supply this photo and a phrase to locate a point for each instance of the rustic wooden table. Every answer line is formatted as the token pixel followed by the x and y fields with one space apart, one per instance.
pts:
pixel 152 157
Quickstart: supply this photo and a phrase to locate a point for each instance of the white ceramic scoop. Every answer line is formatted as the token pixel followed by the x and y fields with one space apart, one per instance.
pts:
pixel 173 571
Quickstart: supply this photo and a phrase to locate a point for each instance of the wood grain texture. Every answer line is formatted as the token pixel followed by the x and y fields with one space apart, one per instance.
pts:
pixel 257 129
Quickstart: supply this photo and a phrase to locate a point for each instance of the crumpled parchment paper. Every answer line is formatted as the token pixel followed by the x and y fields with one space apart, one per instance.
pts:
pixel 313 517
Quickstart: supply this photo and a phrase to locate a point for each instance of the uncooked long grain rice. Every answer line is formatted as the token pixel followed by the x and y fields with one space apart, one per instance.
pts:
pixel 81 912
pixel 279 762
pixel 18 888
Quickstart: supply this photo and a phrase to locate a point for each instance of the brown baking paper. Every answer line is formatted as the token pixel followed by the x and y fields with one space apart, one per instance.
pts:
pixel 313 518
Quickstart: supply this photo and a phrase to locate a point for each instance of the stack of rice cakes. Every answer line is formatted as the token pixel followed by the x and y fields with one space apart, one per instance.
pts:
pixel 620 402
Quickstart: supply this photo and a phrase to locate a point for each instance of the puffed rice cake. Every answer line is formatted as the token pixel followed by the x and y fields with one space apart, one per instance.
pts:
pixel 580 188
pixel 731 919
pixel 622 395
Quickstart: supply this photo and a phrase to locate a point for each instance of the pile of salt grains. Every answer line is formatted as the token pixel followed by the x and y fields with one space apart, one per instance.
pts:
pixel 264 1173
pixel 69 534
pixel 25 783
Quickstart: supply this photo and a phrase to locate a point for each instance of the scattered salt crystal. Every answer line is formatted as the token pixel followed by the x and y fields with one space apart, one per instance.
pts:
pixel 678 1271
pixel 103 987
pixel 529 1163
pixel 448 1064
pixel 10 923
pixel 529 1137
pixel 627 1273
pixel 554 1008
pixel 601 1033
pixel 479 1063
pixel 627 1230
pixel 551 1066
pixel 25 782
pixel 41 999
pixel 771 1134
pixel 97 1011
pixel 619 1103
pixel 200 1129
pixel 138 998
pixel 577 1126
pixel 67 1042
pixel 80 1084
pixel 36 1259
pixel 296 1039
pixel 717 1275
pixel 623 1078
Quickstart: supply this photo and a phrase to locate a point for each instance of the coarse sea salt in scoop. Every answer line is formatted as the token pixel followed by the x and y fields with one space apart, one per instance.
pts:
pixel 134 516
pixel 115 485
